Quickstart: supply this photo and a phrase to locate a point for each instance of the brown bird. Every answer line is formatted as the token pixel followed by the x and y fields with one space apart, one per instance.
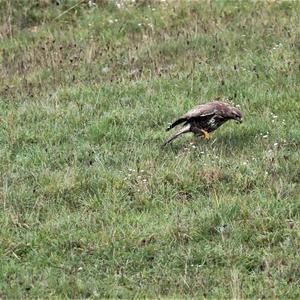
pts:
pixel 205 118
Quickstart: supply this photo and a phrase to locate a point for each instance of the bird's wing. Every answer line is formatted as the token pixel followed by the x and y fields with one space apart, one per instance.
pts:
pixel 203 110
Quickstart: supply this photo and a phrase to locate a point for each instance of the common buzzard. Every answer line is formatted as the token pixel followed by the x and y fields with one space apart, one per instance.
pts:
pixel 205 118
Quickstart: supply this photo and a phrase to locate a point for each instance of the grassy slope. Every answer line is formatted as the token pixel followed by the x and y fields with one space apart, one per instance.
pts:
pixel 92 206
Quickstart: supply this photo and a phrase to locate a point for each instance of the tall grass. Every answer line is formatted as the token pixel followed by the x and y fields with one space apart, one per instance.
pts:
pixel 91 204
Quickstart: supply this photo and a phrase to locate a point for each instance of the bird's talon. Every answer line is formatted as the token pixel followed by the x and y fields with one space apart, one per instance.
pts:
pixel 205 134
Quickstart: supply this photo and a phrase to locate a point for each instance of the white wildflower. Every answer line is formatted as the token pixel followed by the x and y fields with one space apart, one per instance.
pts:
pixel 270 154
pixel 96 294
pixel 105 70
pixel 120 4
pixel 91 4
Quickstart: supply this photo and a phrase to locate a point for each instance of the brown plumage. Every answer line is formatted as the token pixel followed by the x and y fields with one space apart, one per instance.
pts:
pixel 205 118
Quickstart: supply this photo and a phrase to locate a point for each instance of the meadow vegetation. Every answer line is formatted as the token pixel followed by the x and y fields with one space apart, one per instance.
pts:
pixel 92 206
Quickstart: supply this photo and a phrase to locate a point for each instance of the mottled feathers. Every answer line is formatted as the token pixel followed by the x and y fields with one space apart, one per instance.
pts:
pixel 205 118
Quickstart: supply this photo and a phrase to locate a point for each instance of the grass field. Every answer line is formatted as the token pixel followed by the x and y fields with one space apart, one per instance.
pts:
pixel 92 206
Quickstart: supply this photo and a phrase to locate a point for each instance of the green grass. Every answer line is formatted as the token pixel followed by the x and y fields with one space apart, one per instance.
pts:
pixel 92 206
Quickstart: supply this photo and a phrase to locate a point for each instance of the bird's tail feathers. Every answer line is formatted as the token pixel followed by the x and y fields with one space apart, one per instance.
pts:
pixel 181 120
pixel 181 131
pixel 169 127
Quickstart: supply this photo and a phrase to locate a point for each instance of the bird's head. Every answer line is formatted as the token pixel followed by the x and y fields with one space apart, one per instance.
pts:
pixel 236 114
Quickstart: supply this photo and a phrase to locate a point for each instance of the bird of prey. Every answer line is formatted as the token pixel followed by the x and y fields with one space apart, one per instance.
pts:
pixel 205 118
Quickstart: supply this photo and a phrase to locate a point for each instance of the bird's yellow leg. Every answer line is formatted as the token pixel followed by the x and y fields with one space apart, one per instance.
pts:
pixel 205 134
